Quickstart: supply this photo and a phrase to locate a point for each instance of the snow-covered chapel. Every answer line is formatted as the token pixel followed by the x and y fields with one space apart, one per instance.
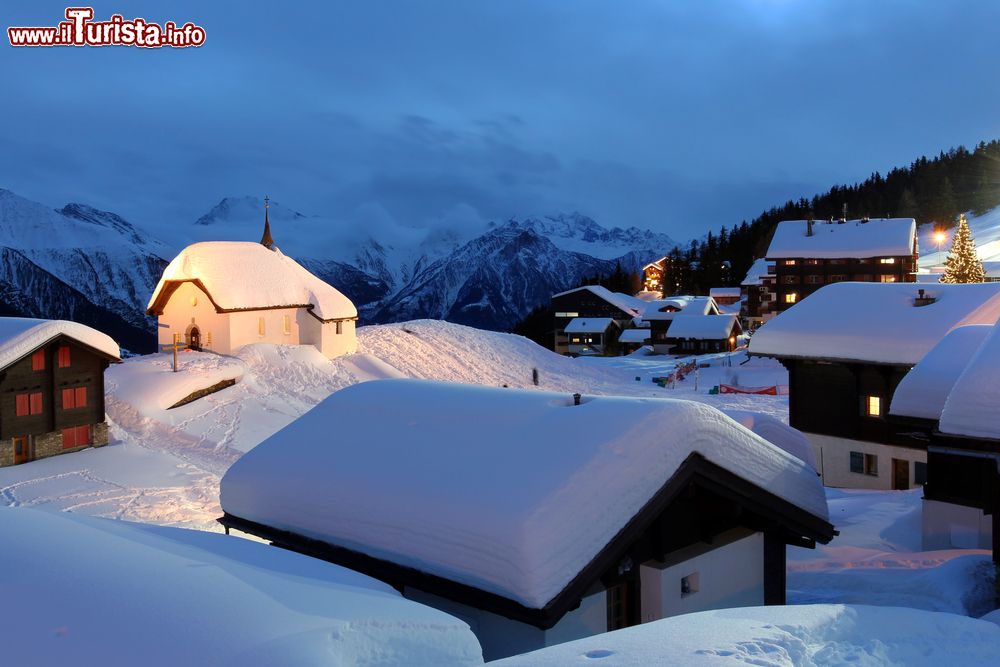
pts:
pixel 222 295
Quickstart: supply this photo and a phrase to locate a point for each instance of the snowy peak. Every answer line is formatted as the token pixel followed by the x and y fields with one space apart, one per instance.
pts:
pixel 579 233
pixel 245 209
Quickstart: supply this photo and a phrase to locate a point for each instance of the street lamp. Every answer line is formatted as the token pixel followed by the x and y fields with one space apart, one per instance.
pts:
pixel 939 238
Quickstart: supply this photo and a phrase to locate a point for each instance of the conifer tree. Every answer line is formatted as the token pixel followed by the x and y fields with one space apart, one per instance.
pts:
pixel 963 265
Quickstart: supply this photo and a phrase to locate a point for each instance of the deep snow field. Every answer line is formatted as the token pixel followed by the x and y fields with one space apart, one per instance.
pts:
pixel 163 467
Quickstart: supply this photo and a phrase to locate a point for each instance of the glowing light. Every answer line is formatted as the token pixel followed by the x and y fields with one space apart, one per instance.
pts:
pixel 939 237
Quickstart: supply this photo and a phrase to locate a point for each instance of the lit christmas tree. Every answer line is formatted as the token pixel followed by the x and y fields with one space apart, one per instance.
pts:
pixel 963 265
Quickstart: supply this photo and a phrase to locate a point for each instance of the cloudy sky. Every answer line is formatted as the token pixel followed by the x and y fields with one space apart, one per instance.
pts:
pixel 669 114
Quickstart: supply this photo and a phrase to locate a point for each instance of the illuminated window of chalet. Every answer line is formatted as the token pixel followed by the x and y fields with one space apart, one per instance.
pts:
pixel 286 323
pixel 789 262
pixel 791 297
pixel 873 406
pixel 74 397
pixel 194 300
pixel 64 357
pixel 888 260
pixel 260 326
pixel 38 361
pixel 887 279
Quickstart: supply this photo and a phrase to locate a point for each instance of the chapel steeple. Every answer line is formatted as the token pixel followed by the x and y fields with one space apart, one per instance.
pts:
pixel 266 239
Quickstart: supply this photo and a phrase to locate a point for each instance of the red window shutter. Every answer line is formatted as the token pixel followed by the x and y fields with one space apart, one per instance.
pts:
pixel 38 361
pixel 69 438
pixel 64 357
pixel 82 435
pixel 68 399
pixel 21 405
pixel 81 397
pixel 36 403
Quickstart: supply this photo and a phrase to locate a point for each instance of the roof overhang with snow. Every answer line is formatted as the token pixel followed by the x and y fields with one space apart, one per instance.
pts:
pixel 588 325
pixel 20 336
pixel 628 304
pixel 876 323
pixel 417 506
pixel 862 239
pixel 703 327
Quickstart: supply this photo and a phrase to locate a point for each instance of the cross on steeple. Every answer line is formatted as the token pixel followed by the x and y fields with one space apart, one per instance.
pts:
pixel 266 239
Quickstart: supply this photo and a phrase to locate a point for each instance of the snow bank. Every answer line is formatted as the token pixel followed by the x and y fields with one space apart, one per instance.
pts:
pixel 512 492
pixel 20 336
pixel 971 408
pixel 817 635
pixel 247 275
pixel 885 237
pixel 97 592
pixel 924 390
pixel 151 383
pixel 875 322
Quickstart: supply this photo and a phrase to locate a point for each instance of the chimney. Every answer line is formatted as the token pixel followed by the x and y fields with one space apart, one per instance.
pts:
pixel 576 399
pixel 922 299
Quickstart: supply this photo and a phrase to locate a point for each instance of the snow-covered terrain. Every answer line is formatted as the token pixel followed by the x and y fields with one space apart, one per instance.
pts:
pixel 985 230
pixel 815 635
pixel 115 593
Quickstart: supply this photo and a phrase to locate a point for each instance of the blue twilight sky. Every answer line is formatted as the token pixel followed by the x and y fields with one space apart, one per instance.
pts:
pixel 678 115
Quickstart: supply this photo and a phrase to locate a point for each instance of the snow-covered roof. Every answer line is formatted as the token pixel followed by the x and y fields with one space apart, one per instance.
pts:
pixel 588 325
pixel 246 276
pixel 879 237
pixel 924 390
pixel 875 322
pixel 624 302
pixel 971 408
pixel 712 327
pixel 685 304
pixel 510 491
pixel 759 269
pixel 20 336
pixel 724 292
pixel 634 336
pixel 777 433
pixel 103 592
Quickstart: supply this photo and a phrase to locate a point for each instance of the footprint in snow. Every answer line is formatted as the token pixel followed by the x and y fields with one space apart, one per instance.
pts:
pixel 599 653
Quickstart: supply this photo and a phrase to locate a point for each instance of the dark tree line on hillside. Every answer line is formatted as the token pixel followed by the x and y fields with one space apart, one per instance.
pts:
pixel 930 190
pixel 619 281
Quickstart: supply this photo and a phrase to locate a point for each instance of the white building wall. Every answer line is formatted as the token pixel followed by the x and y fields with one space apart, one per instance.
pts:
pixel 728 576
pixel 244 327
pixel 833 457
pixel 190 306
pixel 949 526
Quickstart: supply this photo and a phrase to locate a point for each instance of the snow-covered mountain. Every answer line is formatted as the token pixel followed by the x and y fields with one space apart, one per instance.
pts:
pixel 96 267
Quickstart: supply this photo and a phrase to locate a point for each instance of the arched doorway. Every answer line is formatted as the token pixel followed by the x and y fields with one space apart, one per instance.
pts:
pixel 194 338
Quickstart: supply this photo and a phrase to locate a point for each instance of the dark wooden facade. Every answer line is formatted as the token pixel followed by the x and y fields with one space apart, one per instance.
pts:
pixel 796 278
pixel 700 502
pixel 705 345
pixel 583 303
pixel 62 384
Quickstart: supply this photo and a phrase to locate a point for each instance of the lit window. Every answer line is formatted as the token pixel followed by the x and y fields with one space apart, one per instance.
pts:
pixel 791 297
pixel 287 324
pixel 64 357
pixel 873 406
pixel 567 314
pixel 887 279
pixel 260 326
pixel 888 260
pixel 38 361
pixel 789 262
pixel 194 300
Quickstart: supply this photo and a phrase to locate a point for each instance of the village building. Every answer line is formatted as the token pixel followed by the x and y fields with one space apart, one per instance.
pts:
pixel 847 349
pixel 950 400
pixel 758 297
pixel 466 498
pixel 589 336
pixel 725 296
pixel 809 254
pixel 592 302
pixel 220 296
pixel 660 315
pixel 704 334
pixel 653 275
pixel 52 388
pixel 631 340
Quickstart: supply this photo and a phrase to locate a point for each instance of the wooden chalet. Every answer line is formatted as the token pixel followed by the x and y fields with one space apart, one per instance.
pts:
pixel 631 340
pixel 629 524
pixel 757 289
pixel 660 315
pixel 220 296
pixel 950 401
pixel 591 302
pixel 590 336
pixel 51 388
pixel 725 296
pixel 809 254
pixel 704 334
pixel 847 349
